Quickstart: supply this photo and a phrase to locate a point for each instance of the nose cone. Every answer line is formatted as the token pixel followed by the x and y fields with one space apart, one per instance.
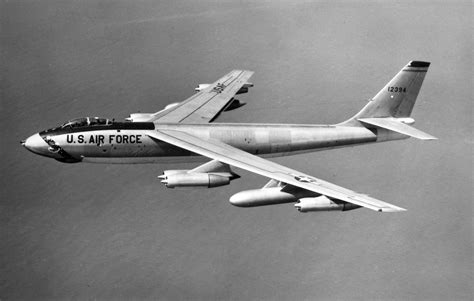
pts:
pixel 36 144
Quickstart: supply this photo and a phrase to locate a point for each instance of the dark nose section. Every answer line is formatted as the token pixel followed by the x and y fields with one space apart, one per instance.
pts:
pixel 36 144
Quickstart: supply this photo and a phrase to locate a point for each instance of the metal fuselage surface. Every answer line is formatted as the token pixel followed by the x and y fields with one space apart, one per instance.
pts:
pixel 127 142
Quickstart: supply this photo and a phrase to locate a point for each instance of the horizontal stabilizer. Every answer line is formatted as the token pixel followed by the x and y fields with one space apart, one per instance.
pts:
pixel 397 126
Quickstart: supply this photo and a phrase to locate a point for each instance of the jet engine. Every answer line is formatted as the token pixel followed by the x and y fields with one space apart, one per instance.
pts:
pixel 171 105
pixel 138 117
pixel 245 88
pixel 234 104
pixel 184 178
pixel 323 203
pixel 142 117
pixel 201 87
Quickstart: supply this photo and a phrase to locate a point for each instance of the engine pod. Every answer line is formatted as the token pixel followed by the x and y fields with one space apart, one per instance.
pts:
pixel 194 180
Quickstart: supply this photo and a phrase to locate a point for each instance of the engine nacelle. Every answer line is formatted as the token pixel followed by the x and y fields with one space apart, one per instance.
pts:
pixel 171 172
pixel 242 90
pixel 235 104
pixel 323 203
pixel 171 105
pixel 183 178
pixel 142 117
pixel 138 117
pixel 245 88
pixel 266 196
pixel 201 87
pixel 406 120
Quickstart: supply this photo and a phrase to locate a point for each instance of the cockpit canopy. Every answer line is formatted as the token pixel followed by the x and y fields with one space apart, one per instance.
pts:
pixel 86 121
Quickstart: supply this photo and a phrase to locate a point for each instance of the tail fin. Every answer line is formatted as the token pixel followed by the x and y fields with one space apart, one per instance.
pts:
pixel 398 97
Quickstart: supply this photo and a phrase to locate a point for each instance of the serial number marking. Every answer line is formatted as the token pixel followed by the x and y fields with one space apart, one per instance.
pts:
pixel 397 89
pixel 101 139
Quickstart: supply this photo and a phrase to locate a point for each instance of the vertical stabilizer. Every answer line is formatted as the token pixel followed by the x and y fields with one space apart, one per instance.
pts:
pixel 398 96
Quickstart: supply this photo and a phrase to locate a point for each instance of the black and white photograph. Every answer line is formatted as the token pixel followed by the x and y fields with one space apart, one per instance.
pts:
pixel 236 150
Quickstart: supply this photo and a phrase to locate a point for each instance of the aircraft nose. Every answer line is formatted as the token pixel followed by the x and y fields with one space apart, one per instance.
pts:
pixel 35 144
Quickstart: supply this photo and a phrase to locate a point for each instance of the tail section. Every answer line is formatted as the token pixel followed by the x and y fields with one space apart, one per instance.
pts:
pixel 391 108
pixel 398 97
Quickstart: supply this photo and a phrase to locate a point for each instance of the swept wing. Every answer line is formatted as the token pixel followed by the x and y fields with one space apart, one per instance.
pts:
pixel 230 155
pixel 204 106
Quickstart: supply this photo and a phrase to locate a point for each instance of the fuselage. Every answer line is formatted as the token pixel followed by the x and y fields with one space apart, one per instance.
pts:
pixel 128 142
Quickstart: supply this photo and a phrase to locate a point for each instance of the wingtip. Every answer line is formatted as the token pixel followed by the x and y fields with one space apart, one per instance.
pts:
pixel 418 64
pixel 425 136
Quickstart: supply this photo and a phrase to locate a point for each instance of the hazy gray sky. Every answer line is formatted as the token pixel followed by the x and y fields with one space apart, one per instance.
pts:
pixel 114 232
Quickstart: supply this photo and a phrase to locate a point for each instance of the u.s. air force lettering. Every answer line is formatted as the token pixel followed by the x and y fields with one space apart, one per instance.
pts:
pixel 102 139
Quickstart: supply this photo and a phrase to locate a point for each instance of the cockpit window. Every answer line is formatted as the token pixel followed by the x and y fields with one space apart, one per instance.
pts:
pixel 86 121
pixel 98 121
pixel 75 122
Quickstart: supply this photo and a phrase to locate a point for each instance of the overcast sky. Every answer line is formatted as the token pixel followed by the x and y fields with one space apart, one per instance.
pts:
pixel 89 231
